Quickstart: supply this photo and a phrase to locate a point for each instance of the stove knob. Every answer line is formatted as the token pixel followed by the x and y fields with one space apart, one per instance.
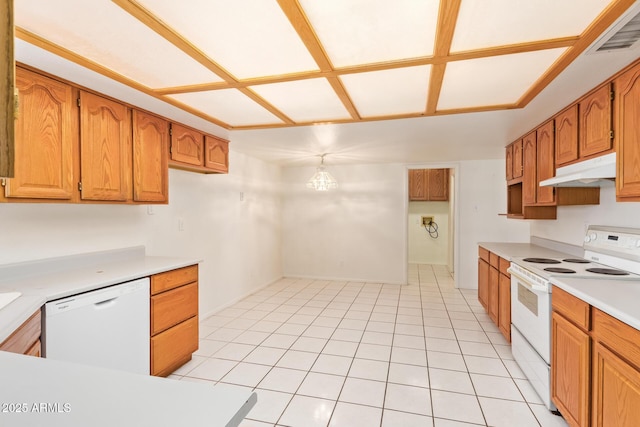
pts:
pixel 637 243
pixel 593 236
pixel 587 239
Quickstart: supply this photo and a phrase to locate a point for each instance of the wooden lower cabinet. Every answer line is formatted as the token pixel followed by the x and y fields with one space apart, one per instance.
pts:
pixel 174 319
pixel 483 283
pixel 25 339
pixel 494 289
pixel 616 390
pixel 595 365
pixel 504 306
pixel 494 298
pixel 173 347
pixel 570 365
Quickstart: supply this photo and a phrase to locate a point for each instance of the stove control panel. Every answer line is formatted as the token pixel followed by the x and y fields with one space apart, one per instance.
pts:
pixel 612 242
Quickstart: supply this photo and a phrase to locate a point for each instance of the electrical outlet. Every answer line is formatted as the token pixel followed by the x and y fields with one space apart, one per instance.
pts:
pixel 426 220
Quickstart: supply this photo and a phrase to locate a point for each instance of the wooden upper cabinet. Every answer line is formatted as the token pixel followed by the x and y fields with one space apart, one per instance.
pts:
pixel 628 135
pixel 529 160
pixel 105 149
pixel 438 184
pixel 508 156
pixel 216 154
pixel 45 139
pixel 150 158
pixel 546 167
pixel 417 184
pixel 186 145
pixel 595 134
pixel 429 185
pixel 7 67
pixel 567 136
pixel 518 167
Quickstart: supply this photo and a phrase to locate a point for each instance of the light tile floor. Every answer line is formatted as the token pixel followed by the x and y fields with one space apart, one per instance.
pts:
pixel 343 354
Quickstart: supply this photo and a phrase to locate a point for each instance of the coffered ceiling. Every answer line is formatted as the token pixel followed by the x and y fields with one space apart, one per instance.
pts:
pixel 256 64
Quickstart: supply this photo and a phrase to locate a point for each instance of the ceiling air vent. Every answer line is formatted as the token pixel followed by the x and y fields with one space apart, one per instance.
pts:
pixel 623 35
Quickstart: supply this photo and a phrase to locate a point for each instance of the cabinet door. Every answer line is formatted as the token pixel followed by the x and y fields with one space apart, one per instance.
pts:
pixel 595 122
pixel 216 154
pixel 438 181
pixel 186 145
pixel 483 283
pixel 172 348
pixel 628 136
pixel 616 390
pixel 504 302
pixel 545 167
pixel 44 139
pixel 150 158
pixel 570 370
pixel 508 156
pixel 517 159
pixel 529 179
pixel 417 184
pixel 105 149
pixel 567 136
pixel 494 303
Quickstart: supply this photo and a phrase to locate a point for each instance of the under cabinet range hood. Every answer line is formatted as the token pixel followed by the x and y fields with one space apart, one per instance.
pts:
pixel 588 173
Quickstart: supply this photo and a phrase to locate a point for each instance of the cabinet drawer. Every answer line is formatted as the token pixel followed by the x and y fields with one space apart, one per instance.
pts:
pixel 483 253
pixel 174 278
pixel 23 339
pixel 504 265
pixel 173 347
pixel 618 336
pixel 172 307
pixel 494 260
pixel 571 307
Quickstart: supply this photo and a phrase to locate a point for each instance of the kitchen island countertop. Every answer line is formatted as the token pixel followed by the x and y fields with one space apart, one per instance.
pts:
pixel 54 393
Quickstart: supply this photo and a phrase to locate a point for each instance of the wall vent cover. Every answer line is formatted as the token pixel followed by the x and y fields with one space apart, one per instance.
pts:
pixel 623 35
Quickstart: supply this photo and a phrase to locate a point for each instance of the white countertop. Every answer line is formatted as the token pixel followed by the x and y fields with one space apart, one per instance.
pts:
pixel 509 251
pixel 54 393
pixel 618 298
pixel 46 280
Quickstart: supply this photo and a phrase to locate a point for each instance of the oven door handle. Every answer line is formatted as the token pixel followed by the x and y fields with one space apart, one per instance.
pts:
pixel 531 286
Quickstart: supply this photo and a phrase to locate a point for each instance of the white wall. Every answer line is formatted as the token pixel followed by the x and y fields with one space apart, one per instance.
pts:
pixel 356 232
pixel 482 196
pixel 422 248
pixel 572 220
pixel 238 241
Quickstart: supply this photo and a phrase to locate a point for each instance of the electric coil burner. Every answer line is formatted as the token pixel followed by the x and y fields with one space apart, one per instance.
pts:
pixel 609 254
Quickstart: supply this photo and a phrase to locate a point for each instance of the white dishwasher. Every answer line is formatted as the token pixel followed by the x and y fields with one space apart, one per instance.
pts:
pixel 108 327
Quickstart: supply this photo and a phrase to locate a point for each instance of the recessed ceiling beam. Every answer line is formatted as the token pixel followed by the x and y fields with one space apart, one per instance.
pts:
pixel 300 23
pixel 447 17
pixel 93 66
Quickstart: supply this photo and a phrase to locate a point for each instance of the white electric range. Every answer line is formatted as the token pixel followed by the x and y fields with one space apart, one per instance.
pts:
pixel 610 253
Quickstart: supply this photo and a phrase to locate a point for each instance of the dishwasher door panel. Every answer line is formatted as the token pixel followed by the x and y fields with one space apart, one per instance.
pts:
pixel 108 327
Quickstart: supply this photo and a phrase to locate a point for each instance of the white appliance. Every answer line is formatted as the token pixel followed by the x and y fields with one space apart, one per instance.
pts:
pixel 108 327
pixel 611 253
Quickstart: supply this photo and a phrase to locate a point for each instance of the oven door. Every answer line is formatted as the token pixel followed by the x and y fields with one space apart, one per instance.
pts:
pixel 531 314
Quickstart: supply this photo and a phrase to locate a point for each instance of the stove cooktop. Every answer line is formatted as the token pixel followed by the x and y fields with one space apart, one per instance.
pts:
pixel 572 267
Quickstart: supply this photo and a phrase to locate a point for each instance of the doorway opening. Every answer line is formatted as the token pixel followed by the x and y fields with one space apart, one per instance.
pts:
pixel 431 237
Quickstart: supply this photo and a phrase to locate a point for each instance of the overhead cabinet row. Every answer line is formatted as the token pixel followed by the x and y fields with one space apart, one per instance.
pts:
pixel 74 145
pixel 429 185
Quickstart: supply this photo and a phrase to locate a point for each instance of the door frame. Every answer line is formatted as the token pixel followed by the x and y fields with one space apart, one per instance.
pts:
pixel 456 215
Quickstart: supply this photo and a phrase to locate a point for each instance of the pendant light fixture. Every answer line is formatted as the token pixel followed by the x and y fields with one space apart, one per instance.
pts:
pixel 322 180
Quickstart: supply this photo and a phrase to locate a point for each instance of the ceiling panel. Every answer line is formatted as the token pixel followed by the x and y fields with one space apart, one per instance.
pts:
pixel 493 81
pixel 389 92
pixel 304 100
pixel 368 31
pixel 104 33
pixel 228 105
pixel 489 23
pixel 248 38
